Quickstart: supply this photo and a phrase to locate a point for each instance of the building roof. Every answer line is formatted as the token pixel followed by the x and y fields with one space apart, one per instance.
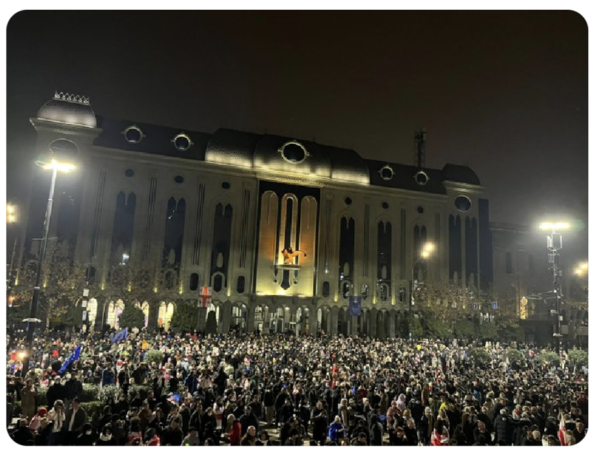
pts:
pixel 272 153
pixel 460 174
pixel 68 109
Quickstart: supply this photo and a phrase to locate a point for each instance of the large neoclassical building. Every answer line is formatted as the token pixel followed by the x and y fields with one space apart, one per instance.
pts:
pixel 198 210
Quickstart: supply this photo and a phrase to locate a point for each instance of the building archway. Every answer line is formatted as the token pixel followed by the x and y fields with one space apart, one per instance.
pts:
pixel 239 314
pixel 114 313
pixel 277 321
pixel 259 319
pixel 214 318
pixel 92 311
pixel 165 314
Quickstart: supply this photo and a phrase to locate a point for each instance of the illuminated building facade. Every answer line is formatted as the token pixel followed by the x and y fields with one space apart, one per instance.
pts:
pixel 197 210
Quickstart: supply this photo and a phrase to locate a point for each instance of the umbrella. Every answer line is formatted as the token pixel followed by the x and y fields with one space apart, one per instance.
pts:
pixel 32 320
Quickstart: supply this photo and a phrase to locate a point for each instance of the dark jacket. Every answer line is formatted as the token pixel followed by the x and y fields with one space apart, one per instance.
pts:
pixel 80 419
pixel 54 393
pixel 23 436
pixel 73 388
pixel 503 426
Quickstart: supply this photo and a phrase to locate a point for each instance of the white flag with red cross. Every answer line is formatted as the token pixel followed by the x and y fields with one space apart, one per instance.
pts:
pixel 204 297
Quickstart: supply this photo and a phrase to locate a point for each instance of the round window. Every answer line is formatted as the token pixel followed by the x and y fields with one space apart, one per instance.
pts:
pixel 385 205
pixel 420 209
pixel 179 179
pixel 386 173
pixel 133 134
pixel 182 142
pixel 129 173
pixel 348 201
pixel 62 146
pixel 463 203
pixel 293 152
pixel 421 178
pixel 225 185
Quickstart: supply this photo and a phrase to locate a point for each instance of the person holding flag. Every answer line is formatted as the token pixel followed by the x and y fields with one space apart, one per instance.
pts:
pixel 74 357
pixel 121 335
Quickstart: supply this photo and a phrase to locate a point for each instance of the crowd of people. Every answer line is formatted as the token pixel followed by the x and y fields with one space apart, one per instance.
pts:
pixel 172 389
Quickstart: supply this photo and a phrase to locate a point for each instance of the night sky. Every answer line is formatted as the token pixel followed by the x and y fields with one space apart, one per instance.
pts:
pixel 502 92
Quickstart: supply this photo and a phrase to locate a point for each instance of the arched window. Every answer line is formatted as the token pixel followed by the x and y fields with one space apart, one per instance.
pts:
pixel 92 309
pixel 194 282
pixel 165 314
pixel 326 289
pixel 114 313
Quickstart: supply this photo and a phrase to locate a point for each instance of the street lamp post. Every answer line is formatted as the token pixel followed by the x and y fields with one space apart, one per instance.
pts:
pixel 55 167
pixel 426 252
pixel 554 244
pixel 11 217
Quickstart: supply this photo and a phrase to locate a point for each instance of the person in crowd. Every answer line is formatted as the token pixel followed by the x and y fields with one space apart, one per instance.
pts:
pixel 75 419
pixel 249 438
pixel 105 438
pixel 23 435
pixel 404 387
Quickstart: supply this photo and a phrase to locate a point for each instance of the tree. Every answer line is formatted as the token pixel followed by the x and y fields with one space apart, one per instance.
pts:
pixel 479 356
pixel 62 286
pixel 488 331
pixel 416 329
pixel 464 329
pixel 578 357
pixel 436 328
pixel 185 317
pixel 131 317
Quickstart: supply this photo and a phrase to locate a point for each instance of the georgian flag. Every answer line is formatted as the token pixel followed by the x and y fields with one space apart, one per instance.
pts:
pixel 562 431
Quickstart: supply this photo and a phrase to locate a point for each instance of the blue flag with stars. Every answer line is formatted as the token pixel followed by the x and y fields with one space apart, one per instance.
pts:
pixel 355 309
pixel 122 335
pixel 74 357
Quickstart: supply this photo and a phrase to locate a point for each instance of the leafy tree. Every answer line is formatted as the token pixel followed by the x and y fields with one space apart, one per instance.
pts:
pixel 62 284
pixel 185 317
pixel 416 329
pixel 132 317
pixel 549 357
pixel 479 356
pixel 514 355
pixel 436 328
pixel 154 356
pixel 463 328
pixel 488 331
pixel 578 357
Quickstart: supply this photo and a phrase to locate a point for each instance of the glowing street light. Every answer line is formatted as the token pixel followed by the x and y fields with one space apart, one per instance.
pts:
pixel 581 269
pixel 55 166
pixel 554 244
pixel 428 247
pixel 11 213
pixel 554 226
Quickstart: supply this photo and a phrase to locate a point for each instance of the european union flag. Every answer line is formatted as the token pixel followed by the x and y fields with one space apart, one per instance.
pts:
pixel 122 335
pixel 355 309
pixel 74 357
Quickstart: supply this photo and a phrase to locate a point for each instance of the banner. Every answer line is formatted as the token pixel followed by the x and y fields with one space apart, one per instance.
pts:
pixel 74 357
pixel 204 297
pixel 355 305
pixel 122 335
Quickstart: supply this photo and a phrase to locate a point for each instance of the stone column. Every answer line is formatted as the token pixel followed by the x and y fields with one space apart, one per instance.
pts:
pixel 201 324
pixel 312 320
pixel 153 314
pixel 391 321
pixel 226 308
pixel 101 311
pixel 353 325
pixel 373 324
pixel 251 311
pixel 333 320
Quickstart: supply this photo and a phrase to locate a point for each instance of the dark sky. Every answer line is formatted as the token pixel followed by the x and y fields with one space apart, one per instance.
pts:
pixel 503 92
